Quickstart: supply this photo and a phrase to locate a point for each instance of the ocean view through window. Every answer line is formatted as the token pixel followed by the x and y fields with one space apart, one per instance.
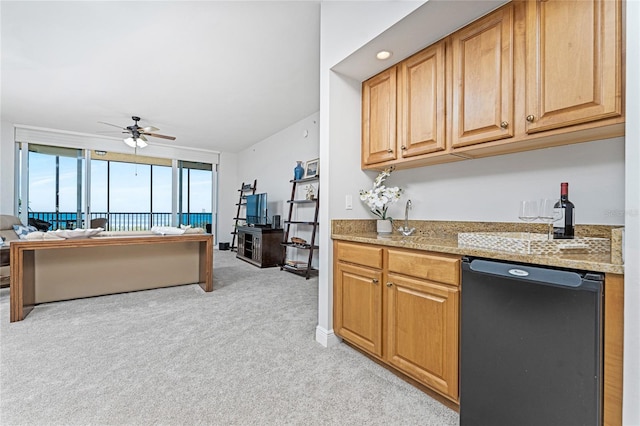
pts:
pixel 132 192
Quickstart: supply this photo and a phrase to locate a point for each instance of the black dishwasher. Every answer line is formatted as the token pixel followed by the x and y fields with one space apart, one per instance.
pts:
pixel 530 345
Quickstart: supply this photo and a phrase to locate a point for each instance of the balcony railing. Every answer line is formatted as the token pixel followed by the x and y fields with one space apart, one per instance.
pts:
pixel 118 221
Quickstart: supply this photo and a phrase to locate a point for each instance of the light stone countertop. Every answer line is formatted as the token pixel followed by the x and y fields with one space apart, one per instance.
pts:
pixel 441 237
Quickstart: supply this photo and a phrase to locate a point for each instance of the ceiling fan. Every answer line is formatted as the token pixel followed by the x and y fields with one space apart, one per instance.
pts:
pixel 136 134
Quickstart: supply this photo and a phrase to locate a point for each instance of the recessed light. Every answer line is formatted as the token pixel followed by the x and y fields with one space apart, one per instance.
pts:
pixel 383 54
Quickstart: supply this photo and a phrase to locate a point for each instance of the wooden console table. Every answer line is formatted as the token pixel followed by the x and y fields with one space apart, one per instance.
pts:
pixel 47 271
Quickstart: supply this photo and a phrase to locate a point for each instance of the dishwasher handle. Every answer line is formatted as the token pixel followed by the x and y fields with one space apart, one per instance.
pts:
pixel 577 280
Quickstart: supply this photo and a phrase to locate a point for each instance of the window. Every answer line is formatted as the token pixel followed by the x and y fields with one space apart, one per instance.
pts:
pixel 195 193
pixel 133 192
pixel 55 185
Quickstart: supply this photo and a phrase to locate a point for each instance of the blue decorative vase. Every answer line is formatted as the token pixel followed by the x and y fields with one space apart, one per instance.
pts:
pixel 298 171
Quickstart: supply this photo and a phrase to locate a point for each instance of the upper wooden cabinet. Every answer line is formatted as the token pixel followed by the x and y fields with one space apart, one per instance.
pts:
pixel 403 110
pixel 482 74
pixel 573 62
pixel 421 100
pixel 379 118
pixel 532 74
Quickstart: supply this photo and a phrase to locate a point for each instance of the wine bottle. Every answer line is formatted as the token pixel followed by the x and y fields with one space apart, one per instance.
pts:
pixel 564 210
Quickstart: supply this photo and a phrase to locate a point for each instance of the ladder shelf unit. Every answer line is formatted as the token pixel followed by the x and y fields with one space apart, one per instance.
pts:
pixel 240 219
pixel 302 268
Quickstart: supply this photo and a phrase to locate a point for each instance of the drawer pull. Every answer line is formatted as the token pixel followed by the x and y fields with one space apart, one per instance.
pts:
pixel 530 118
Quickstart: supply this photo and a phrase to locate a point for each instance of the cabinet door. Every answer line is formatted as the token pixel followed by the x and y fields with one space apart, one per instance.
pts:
pixel 422 332
pixel 240 249
pixel 573 60
pixel 358 306
pixel 379 118
pixel 421 100
pixel 482 73
pixel 257 248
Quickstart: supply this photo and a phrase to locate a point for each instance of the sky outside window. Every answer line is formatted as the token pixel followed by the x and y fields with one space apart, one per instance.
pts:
pixel 116 186
pixel 161 190
pixel 98 186
pixel 130 186
pixel 42 183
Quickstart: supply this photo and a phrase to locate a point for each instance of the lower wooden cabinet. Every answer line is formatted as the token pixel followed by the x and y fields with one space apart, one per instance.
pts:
pixel 422 332
pixel 398 312
pixel 358 307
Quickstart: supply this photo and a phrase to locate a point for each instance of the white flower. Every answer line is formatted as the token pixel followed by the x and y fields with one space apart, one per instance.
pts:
pixel 379 197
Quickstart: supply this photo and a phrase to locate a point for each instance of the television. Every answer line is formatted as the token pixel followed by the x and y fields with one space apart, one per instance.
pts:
pixel 257 210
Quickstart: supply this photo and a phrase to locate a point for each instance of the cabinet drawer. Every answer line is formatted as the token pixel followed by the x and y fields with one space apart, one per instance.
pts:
pixel 440 268
pixel 360 254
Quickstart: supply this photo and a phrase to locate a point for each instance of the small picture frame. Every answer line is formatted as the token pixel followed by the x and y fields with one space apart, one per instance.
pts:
pixel 311 168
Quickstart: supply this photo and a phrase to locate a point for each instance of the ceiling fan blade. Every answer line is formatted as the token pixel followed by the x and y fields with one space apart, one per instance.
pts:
pixel 149 129
pixel 107 132
pixel 155 135
pixel 143 138
pixel 109 124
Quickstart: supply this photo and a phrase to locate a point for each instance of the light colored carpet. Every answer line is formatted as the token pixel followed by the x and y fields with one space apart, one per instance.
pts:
pixel 244 354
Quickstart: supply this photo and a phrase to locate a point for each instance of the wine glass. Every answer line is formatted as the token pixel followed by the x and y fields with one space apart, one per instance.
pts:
pixel 528 212
pixel 548 213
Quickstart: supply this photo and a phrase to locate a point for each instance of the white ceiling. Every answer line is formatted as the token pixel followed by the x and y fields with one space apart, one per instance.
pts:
pixel 217 75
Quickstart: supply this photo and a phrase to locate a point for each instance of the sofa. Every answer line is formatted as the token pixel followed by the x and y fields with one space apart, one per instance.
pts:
pixel 8 234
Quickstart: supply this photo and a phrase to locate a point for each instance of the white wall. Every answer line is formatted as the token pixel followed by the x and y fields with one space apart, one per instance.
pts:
pixel 489 189
pixel 6 168
pixel 227 195
pixel 271 161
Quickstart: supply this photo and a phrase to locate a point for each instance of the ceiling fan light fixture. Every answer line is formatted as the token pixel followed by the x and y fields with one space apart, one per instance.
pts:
pixel 136 138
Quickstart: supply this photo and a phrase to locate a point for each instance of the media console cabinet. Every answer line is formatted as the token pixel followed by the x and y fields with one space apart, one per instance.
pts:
pixel 260 246
pixel 47 271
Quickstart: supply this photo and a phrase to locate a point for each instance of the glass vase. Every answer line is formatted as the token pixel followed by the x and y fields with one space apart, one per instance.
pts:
pixel 298 171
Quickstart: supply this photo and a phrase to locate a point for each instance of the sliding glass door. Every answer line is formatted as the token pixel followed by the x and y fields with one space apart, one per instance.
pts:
pixel 132 192
pixel 195 193
pixel 55 186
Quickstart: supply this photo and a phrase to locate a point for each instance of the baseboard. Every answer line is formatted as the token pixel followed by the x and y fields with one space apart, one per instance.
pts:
pixel 326 338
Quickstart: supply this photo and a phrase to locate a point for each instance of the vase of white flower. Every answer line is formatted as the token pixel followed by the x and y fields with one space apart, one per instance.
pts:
pixel 378 200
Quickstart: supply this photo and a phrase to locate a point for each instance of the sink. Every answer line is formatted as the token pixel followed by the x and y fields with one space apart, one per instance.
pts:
pixel 525 243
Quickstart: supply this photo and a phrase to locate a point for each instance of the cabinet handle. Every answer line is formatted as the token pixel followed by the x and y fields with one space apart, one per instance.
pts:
pixel 504 124
pixel 375 281
pixel 389 284
pixel 389 150
pixel 403 147
pixel 530 118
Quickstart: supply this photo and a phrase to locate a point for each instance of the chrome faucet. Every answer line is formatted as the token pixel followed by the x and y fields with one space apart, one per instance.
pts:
pixel 405 230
